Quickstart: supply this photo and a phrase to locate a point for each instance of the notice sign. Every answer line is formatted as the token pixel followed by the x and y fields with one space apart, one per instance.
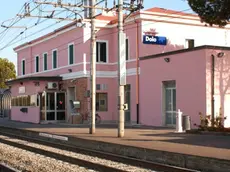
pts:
pixel 150 39
pixel 21 90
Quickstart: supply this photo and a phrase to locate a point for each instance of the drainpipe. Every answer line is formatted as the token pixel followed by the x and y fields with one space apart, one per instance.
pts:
pixel 31 66
pixel 212 88
pixel 137 73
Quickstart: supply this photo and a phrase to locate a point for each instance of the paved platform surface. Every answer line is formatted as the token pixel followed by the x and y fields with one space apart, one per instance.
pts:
pixel 155 138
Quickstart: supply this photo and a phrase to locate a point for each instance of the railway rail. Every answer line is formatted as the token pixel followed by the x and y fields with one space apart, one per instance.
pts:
pixel 98 167
pixel 6 168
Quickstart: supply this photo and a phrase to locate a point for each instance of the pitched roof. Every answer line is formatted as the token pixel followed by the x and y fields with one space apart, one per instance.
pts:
pixel 168 11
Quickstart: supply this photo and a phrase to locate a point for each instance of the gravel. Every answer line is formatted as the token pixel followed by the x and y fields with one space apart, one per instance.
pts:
pixel 27 161
pixel 34 162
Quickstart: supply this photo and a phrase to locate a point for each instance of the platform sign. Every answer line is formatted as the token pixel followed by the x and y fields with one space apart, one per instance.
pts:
pixel 122 67
pixel 150 39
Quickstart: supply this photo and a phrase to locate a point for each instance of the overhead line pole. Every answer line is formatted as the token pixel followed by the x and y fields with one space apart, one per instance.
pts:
pixel 93 69
pixel 121 71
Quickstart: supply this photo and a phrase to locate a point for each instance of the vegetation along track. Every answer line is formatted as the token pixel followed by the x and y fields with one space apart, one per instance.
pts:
pixel 85 163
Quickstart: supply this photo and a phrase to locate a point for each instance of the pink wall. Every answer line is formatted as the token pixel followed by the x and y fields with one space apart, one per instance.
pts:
pixel 60 43
pixel 222 84
pixel 188 69
pixel 32 116
pixel 30 88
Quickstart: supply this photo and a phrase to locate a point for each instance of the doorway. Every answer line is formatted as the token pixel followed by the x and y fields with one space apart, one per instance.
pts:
pixel 52 106
pixel 127 100
pixel 170 102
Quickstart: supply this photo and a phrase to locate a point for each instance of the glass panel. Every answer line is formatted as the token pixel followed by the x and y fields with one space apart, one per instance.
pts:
pixel 174 118
pixel 71 54
pixel 168 100
pixel 103 52
pixel 45 61
pixel 37 63
pixel 60 101
pixel 50 116
pixel 97 51
pixel 54 59
pixel 169 84
pixel 61 116
pixel 50 101
pixel 23 67
pixel 127 49
pixel 174 99
pixel 168 118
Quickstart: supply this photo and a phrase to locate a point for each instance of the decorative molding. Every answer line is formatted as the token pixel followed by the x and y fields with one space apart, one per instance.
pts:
pixel 99 74
pixel 84 63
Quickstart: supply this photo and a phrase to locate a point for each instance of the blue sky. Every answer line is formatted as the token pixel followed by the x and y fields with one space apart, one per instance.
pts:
pixel 9 9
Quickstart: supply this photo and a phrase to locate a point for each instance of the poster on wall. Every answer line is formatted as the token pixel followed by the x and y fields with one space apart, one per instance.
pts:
pixel 22 90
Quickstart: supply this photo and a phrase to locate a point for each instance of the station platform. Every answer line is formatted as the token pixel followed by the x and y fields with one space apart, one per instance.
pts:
pixel 158 144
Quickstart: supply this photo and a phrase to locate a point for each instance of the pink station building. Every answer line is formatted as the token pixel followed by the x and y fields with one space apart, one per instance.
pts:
pixel 173 62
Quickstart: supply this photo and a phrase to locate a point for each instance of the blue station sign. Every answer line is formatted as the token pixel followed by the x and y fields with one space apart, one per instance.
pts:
pixel 150 39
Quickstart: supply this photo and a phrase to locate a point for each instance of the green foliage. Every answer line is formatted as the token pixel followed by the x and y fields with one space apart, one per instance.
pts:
pixel 7 71
pixel 213 12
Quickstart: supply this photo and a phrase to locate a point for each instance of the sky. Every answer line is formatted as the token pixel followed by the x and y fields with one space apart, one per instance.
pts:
pixel 13 38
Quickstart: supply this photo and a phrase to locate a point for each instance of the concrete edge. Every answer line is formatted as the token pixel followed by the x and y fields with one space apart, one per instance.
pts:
pixel 170 158
pixel 208 133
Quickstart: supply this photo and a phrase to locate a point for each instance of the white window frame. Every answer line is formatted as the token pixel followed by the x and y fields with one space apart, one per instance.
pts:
pixel 36 64
pixel 53 58
pixel 24 67
pixel 107 50
pixel 43 55
pixel 72 43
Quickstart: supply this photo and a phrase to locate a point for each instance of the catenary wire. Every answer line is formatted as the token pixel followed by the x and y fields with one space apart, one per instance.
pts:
pixel 65 48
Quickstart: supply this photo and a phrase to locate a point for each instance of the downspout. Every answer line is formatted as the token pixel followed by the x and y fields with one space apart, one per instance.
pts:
pixel 212 88
pixel 137 73
pixel 31 64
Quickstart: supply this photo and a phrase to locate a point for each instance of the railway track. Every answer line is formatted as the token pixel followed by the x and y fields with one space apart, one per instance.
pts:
pixel 6 168
pixel 98 167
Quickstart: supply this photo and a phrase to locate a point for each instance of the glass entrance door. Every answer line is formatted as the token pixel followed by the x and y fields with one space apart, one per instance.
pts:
pixel 52 106
pixel 60 108
pixel 170 103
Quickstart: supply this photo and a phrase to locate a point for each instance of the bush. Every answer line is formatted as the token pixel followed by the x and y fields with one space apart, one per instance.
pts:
pixel 206 122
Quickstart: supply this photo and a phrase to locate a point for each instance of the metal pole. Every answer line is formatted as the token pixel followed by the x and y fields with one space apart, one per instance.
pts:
pixel 213 89
pixel 93 68
pixel 121 72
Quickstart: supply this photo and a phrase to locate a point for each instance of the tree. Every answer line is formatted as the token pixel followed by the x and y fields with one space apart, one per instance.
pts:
pixel 7 71
pixel 213 12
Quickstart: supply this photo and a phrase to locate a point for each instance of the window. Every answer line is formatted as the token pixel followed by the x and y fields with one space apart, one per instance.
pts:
pixel 101 52
pixel 101 102
pixel 127 48
pixel 190 43
pixel 54 59
pixel 25 100
pixel 71 54
pixel 23 67
pixel 45 66
pixel 37 64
